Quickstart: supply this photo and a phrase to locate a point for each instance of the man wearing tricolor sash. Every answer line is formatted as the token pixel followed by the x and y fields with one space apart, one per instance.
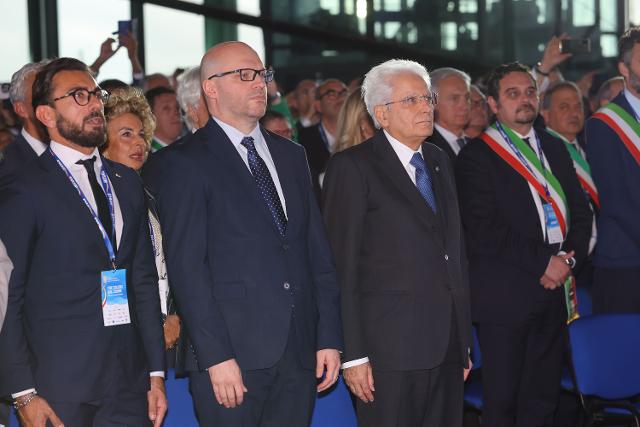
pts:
pixel 527 224
pixel 613 147
pixel 563 111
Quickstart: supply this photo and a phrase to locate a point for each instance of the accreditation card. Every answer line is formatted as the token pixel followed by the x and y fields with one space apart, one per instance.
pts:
pixel 115 302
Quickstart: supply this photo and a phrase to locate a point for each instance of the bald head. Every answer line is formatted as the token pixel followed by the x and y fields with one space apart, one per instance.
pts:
pixel 239 103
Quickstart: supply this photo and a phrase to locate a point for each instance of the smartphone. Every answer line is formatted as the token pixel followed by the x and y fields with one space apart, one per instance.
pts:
pixel 575 46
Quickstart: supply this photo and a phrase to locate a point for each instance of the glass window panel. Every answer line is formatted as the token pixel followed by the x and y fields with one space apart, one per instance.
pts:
pixel 634 13
pixel 449 31
pixel 391 30
pixel 173 38
pixel 80 35
pixel 468 6
pixel 333 6
pixel 608 16
pixel 584 13
pixel 609 45
pixel 249 7
pixel 254 37
pixel 14 39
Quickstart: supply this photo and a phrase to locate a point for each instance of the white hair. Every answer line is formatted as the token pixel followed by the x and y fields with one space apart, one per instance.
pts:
pixel 377 88
pixel 188 92
pixel 17 89
pixel 440 74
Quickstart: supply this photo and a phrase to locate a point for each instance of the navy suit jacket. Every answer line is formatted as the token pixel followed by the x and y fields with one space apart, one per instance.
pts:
pixel 617 175
pixel 54 338
pixel 238 284
pixel 16 156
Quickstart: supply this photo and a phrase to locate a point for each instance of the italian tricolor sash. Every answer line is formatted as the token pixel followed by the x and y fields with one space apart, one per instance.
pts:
pixel 533 172
pixel 624 125
pixel 583 170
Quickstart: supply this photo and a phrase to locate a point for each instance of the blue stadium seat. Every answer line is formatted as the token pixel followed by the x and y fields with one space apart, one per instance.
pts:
pixel 334 408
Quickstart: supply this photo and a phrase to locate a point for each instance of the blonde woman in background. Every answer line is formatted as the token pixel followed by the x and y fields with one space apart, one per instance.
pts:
pixel 354 123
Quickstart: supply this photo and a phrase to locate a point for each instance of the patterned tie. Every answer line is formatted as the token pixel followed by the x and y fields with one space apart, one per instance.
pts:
pixel 423 180
pixel 265 184
pixel 101 199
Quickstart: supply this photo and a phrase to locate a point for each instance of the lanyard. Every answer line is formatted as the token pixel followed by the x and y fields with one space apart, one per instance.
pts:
pixel 107 189
pixel 540 155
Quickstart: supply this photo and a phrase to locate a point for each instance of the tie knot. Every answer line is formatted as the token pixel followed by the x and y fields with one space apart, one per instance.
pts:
pixel 87 163
pixel 417 161
pixel 247 142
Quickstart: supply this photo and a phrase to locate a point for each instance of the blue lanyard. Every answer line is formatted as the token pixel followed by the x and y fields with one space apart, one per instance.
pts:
pixel 523 160
pixel 107 189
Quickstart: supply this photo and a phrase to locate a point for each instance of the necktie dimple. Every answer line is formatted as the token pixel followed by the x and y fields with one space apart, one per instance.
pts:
pixel 101 199
pixel 265 184
pixel 423 180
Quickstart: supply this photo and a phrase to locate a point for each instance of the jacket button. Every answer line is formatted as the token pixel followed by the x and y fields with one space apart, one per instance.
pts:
pixel 285 247
pixel 446 257
pixel 286 285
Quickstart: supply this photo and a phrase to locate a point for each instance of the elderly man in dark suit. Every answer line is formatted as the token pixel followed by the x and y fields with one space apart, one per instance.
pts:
pixel 248 257
pixel 391 209
pixel 82 336
pixel 527 224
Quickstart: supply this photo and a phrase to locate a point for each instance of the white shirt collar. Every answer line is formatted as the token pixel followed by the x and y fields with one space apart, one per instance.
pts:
pixel 235 135
pixel 448 135
pixel 403 152
pixel 68 156
pixel 331 139
pixel 531 135
pixel 36 145
pixel 634 101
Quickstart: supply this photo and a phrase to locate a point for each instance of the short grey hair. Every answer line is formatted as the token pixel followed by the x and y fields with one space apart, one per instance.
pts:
pixel 440 74
pixel 189 92
pixel 376 87
pixel 548 94
pixel 18 80
pixel 605 90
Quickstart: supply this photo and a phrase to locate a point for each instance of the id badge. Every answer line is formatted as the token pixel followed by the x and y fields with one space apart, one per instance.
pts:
pixel 115 302
pixel 554 232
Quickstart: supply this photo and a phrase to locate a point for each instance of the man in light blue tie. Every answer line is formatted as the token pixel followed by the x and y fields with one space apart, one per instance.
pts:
pixel 391 210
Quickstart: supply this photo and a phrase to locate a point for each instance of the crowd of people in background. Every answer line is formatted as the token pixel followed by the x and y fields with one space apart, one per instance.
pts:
pixel 267 240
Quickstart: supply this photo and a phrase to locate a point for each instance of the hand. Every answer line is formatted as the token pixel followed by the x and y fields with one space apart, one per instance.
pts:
pixel 226 380
pixel 36 414
pixel 107 50
pixel 557 271
pixel 171 330
pixel 328 359
pixel 552 56
pixel 467 370
pixel 359 379
pixel 157 398
pixel 129 41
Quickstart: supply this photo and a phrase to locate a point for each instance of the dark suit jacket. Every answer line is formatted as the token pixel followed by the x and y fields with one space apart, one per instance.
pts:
pixel 238 284
pixel 317 154
pixel 506 247
pixel 617 175
pixel 402 268
pixel 16 156
pixel 438 140
pixel 54 338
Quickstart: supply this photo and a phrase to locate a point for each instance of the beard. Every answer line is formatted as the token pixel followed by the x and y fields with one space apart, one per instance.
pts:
pixel 526 114
pixel 76 134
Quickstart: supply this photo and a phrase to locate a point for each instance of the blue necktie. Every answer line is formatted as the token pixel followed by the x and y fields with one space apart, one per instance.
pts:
pixel 265 184
pixel 423 180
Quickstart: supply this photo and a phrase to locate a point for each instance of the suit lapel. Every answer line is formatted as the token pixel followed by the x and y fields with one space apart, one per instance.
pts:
pixel 122 192
pixel 27 152
pixel 393 168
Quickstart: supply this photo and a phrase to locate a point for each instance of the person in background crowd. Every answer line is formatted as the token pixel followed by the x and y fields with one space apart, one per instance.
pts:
pixel 6 138
pixel 609 90
pixel 129 41
pixel 261 303
pixel 452 87
pixel 305 95
pixel 165 108
pixel 613 149
pixel 130 125
pixel 32 140
pixel 155 80
pixel 113 84
pixel 516 187
pixel 354 122
pixel 74 242
pixel 320 140
pixel 190 99
pixel 478 114
pixel 546 71
pixel 277 123
pixel 392 215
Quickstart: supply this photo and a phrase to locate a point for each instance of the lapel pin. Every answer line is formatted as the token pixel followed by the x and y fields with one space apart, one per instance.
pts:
pixel 437 168
pixel 118 175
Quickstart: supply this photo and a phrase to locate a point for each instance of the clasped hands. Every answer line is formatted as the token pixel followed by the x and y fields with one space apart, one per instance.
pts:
pixel 557 271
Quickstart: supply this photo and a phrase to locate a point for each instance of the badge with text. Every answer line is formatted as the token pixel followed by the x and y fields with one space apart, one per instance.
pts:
pixel 115 303
pixel 554 232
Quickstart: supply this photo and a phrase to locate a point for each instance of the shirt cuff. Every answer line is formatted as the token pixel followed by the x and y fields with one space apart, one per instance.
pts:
pixel 22 393
pixel 572 260
pixel 157 374
pixel 352 363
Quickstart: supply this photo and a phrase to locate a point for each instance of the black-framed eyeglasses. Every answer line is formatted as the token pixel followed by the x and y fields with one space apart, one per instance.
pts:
pixel 83 96
pixel 248 74
pixel 411 101
pixel 333 94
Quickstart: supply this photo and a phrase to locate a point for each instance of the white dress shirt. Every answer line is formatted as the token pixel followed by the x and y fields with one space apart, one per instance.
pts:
pixel 68 156
pixel 450 137
pixel 36 145
pixel 6 267
pixel 263 151
pixel 404 154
